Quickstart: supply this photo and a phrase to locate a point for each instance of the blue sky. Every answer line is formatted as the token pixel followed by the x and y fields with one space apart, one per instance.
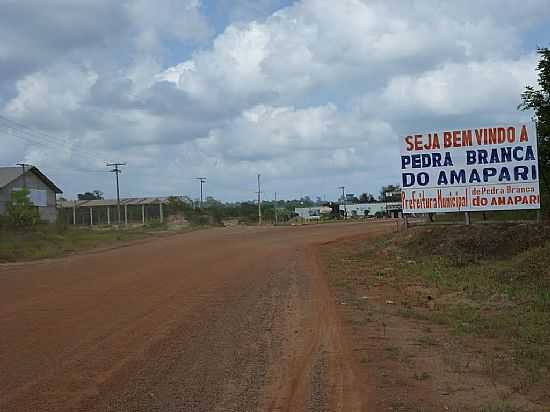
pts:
pixel 312 94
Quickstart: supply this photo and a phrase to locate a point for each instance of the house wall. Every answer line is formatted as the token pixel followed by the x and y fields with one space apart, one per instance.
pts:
pixel 48 213
pixel 358 209
pixel 308 212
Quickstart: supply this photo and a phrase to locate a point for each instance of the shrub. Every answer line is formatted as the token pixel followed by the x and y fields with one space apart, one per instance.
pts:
pixel 20 210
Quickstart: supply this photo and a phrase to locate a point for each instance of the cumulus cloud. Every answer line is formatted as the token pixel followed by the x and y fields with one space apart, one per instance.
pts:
pixel 488 86
pixel 304 91
pixel 155 22
pixel 56 92
pixel 247 10
pixel 279 132
pixel 318 44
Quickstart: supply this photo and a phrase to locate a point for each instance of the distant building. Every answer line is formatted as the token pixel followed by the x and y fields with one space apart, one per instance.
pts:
pixel 312 213
pixel 42 191
pixel 370 209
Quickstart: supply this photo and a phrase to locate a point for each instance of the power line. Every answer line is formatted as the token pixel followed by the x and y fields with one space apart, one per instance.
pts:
pixel 21 131
pixel 36 140
pixel 17 125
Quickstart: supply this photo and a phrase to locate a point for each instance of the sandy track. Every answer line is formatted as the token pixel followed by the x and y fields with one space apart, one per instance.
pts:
pixel 236 319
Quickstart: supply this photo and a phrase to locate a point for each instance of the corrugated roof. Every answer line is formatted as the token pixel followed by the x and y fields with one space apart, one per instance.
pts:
pixel 113 202
pixel 9 174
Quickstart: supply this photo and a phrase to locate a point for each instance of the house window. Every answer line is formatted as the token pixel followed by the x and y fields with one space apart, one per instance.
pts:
pixel 37 197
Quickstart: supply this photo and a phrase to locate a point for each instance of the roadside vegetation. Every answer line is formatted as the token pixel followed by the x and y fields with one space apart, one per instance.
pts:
pixel 47 241
pixel 24 237
pixel 502 275
pixel 452 307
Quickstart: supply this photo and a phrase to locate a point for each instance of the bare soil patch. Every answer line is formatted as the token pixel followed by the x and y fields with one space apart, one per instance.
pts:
pixel 236 319
pixel 447 318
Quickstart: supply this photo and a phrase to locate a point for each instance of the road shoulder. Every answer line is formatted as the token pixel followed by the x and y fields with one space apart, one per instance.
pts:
pixel 407 351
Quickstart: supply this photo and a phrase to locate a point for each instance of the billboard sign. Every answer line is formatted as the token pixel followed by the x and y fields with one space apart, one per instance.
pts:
pixel 489 168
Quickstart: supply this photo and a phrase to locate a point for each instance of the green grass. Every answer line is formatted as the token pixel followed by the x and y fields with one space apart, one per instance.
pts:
pixel 506 297
pixel 427 340
pixel 494 280
pixel 422 376
pixel 513 215
pixel 392 352
pixel 48 241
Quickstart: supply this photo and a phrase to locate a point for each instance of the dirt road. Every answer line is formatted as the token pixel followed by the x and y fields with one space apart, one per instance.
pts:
pixel 229 319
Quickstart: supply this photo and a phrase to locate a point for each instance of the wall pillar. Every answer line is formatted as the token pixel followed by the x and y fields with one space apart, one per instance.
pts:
pixel 74 213
pixel 109 215
pixel 91 217
pixel 161 213
pixel 143 214
pixel 126 215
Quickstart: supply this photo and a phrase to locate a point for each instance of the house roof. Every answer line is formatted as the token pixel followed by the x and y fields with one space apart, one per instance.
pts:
pixel 113 202
pixel 9 174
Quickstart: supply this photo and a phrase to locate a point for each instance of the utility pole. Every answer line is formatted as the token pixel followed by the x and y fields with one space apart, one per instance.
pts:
pixel 259 201
pixel 344 201
pixel 275 210
pixel 202 180
pixel 116 170
pixel 23 165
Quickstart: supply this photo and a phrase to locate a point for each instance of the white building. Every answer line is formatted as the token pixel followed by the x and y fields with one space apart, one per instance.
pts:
pixel 370 209
pixel 42 191
pixel 312 213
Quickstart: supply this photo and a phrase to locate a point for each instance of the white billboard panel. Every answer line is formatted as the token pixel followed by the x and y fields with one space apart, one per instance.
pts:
pixel 490 168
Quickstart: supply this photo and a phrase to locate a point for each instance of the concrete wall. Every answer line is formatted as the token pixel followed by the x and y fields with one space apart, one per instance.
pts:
pixel 48 213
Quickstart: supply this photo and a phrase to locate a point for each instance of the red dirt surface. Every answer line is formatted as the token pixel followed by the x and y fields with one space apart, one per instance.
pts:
pixel 229 319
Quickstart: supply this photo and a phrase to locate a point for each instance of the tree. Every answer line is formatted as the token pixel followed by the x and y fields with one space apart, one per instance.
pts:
pixel 20 210
pixel 538 100
pixel 385 195
pixel 306 201
pixel 94 195
pixel 366 198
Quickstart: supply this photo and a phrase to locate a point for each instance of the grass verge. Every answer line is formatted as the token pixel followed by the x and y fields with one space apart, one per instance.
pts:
pixel 49 241
pixel 500 278
pixel 460 304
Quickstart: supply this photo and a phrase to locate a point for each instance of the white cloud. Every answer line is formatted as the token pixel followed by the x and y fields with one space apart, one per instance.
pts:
pixel 173 19
pixel 286 140
pixel 318 90
pixel 315 43
pixel 57 91
pixel 456 89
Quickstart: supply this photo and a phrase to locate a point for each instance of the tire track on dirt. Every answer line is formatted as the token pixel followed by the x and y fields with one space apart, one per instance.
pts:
pixel 222 320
